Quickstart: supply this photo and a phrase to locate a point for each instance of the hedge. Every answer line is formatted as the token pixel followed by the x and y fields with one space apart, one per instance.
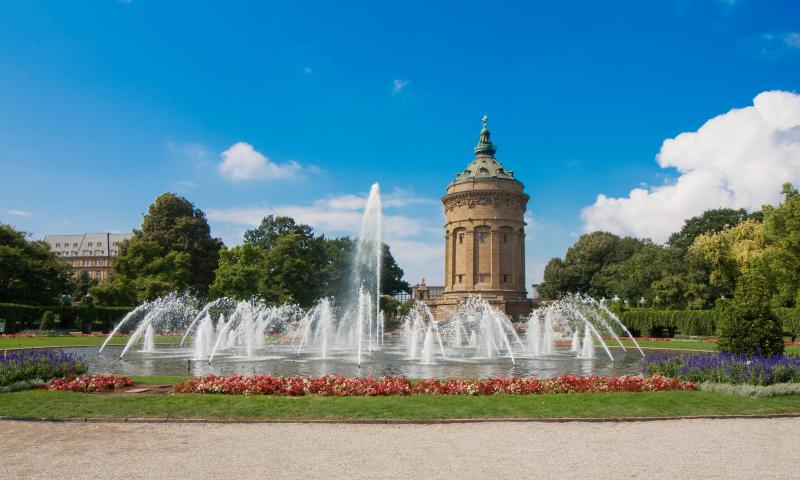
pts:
pixel 655 323
pixel 25 317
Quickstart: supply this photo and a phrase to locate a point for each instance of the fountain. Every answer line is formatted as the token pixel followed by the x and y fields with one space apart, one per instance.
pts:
pixel 229 333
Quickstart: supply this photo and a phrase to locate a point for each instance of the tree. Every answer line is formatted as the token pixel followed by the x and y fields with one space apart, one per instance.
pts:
pixel 588 256
pixel 782 234
pixel 82 283
pixel 29 272
pixel 710 222
pixel 283 261
pixel 728 251
pixel 176 225
pixel 144 270
pixel 749 326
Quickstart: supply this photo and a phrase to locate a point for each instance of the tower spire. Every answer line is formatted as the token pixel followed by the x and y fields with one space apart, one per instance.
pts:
pixel 485 144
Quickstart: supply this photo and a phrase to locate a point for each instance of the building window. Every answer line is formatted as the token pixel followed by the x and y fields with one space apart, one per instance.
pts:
pixel 505 238
pixel 505 278
pixel 483 277
pixel 460 238
pixel 90 244
pixel 74 244
pixel 482 237
pixel 58 244
pixel 99 244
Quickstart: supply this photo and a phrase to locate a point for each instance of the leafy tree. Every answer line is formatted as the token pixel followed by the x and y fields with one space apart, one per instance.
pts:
pixel 782 233
pixel 585 259
pixel 749 326
pixel 282 261
pixel 176 225
pixel 144 270
pixel 29 272
pixel 82 283
pixel 272 228
pixel 710 222
pixel 728 251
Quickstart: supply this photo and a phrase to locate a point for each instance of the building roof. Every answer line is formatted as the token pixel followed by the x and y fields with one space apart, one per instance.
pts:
pixel 484 165
pixel 86 244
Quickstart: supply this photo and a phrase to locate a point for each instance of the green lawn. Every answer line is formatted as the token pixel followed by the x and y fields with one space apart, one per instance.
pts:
pixel 43 404
pixel 681 345
pixel 73 341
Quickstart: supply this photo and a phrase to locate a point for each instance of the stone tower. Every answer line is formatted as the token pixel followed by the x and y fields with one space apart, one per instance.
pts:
pixel 485 235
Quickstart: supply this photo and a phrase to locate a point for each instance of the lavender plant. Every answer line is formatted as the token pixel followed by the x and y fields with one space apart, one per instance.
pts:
pixel 22 365
pixel 726 368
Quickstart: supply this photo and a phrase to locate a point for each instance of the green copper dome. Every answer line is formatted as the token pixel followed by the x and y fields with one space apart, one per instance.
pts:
pixel 484 165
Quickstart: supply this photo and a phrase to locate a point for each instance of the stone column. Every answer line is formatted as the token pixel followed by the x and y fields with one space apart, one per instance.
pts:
pixel 469 258
pixel 494 242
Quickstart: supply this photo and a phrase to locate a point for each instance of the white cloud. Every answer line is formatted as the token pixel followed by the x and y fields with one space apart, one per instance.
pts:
pixel 398 85
pixel 19 213
pixel 243 162
pixel 738 159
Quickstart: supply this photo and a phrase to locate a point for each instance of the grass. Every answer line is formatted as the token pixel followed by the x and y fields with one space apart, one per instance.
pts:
pixel 74 341
pixel 159 379
pixel 54 405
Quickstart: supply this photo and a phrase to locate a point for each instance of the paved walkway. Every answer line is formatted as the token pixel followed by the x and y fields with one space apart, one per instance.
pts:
pixel 744 448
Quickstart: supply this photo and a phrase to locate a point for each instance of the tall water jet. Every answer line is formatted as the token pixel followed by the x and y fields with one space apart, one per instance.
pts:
pixel 588 343
pixel 149 339
pixel 366 270
pixel 575 345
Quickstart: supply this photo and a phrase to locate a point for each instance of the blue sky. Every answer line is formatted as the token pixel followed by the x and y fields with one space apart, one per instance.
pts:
pixel 106 104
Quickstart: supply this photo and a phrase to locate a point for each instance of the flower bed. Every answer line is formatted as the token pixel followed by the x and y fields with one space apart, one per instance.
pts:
pixel 725 368
pixel 345 387
pixel 16 366
pixel 90 383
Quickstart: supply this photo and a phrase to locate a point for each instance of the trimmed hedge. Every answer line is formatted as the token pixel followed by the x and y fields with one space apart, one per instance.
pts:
pixel 656 323
pixel 26 317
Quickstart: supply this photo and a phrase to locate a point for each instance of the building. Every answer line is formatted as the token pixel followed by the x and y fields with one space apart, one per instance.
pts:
pixel 424 292
pixel 88 252
pixel 485 235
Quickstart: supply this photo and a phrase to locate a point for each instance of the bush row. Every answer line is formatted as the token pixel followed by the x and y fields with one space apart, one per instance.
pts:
pixel 666 323
pixel 22 317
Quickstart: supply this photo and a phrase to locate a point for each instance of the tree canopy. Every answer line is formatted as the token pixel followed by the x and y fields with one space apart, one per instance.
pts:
pixel 29 272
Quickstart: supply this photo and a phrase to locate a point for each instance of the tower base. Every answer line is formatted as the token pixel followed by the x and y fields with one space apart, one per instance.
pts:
pixel 443 308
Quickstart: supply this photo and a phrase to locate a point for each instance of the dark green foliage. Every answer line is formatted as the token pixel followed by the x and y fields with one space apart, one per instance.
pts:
pixel 173 223
pixel 29 271
pixel 22 317
pixel 748 326
pixel 82 283
pixel 282 261
pixel 48 321
pixel 711 221
pixel 586 258
pixel 653 323
pixel 174 250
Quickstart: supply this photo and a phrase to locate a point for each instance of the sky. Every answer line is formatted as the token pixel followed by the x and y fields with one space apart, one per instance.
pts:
pixel 625 116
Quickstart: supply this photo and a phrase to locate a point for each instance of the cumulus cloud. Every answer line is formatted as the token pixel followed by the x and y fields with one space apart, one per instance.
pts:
pixel 738 159
pixel 19 213
pixel 398 85
pixel 243 162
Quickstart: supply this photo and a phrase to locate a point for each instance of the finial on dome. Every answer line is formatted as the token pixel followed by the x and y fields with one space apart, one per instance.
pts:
pixel 485 143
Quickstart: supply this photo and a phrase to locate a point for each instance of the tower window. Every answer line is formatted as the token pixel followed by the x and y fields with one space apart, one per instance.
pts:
pixel 505 238
pixel 481 237
pixel 505 278
pixel 461 238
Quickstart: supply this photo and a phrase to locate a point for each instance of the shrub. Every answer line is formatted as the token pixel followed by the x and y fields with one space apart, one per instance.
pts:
pixel 22 317
pixel 752 391
pixel 38 364
pixel 747 325
pixel 47 322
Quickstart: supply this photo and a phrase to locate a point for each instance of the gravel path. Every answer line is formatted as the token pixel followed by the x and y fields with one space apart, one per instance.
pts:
pixel 743 448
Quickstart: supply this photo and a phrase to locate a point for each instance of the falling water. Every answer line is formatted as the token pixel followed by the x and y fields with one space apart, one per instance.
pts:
pixel 149 340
